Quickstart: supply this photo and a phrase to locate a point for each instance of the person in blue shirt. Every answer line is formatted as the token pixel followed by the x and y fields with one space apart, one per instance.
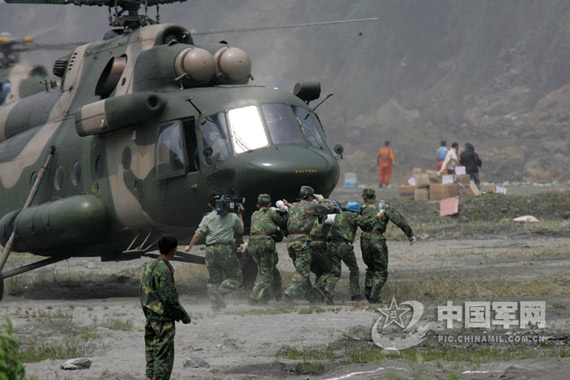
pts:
pixel 440 154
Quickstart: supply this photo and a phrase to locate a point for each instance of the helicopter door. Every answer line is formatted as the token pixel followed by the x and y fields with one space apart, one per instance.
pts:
pixel 170 157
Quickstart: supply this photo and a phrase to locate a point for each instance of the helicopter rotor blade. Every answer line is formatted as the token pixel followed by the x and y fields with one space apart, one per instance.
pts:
pixel 292 26
pixel 98 3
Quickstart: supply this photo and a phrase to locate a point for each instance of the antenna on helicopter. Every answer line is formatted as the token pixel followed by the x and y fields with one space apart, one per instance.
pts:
pixel 122 13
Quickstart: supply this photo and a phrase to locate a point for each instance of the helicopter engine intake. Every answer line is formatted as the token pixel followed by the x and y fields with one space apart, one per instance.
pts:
pixel 116 113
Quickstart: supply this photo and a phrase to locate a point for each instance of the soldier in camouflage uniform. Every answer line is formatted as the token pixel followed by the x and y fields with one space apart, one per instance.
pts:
pixel 375 217
pixel 159 300
pixel 302 217
pixel 222 262
pixel 267 227
pixel 340 239
pixel 321 262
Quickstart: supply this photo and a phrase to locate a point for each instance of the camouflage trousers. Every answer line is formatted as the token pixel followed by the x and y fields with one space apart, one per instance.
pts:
pixel 300 252
pixel 375 256
pixel 159 349
pixel 268 279
pixel 321 266
pixel 224 269
pixel 342 251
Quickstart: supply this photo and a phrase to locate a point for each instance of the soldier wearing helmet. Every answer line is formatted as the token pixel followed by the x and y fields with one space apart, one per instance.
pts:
pixel 267 228
pixel 375 217
pixel 339 244
pixel 302 217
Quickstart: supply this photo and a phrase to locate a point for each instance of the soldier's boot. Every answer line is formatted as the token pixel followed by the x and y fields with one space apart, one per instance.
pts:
pixel 328 298
pixel 278 296
pixel 357 298
pixel 320 293
pixel 375 301
pixel 367 291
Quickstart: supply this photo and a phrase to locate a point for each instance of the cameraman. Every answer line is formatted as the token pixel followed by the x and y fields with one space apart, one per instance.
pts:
pixel 219 227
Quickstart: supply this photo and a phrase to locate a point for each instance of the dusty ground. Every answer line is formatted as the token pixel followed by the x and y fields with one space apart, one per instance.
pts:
pixel 91 309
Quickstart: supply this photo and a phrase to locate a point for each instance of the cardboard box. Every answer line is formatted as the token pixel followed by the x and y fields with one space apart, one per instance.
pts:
pixel 473 190
pixel 422 180
pixel 418 171
pixel 406 192
pixel 433 177
pixel 449 206
pixel 438 192
pixel 421 194
pixel 463 179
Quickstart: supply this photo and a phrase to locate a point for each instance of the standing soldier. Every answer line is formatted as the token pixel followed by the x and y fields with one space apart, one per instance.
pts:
pixel 385 159
pixel 340 239
pixel 302 217
pixel 267 227
pixel 220 227
pixel 375 217
pixel 159 301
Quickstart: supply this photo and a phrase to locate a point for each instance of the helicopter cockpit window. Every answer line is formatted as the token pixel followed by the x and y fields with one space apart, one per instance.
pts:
pixel 280 123
pixel 5 88
pixel 247 130
pixel 311 127
pixel 215 136
pixel 170 151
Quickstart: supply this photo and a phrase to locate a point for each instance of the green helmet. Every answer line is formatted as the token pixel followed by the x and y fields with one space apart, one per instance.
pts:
pixel 368 193
pixel 263 198
pixel 306 190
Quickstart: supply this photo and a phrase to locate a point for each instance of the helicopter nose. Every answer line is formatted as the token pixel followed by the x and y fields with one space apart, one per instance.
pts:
pixel 281 171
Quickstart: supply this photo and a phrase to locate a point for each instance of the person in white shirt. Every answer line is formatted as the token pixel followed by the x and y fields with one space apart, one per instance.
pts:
pixel 451 160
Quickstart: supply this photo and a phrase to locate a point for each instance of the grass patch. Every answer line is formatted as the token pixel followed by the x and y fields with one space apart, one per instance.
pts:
pixel 508 253
pixel 118 324
pixel 37 353
pixel 312 309
pixel 87 333
pixel 351 353
pixel 306 353
pixel 438 286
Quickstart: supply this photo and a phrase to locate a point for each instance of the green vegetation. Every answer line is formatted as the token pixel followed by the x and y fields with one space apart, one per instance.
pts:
pixel 442 285
pixel 366 352
pixel 118 324
pixel 10 361
pixel 71 348
pixel 496 208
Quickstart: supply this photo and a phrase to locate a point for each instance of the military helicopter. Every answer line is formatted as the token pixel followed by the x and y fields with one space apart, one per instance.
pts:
pixel 143 127
pixel 20 79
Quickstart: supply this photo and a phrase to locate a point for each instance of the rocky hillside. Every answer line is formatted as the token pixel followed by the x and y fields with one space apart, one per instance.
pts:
pixel 493 73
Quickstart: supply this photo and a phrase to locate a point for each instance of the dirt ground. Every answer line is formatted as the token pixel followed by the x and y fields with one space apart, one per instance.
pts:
pixel 92 308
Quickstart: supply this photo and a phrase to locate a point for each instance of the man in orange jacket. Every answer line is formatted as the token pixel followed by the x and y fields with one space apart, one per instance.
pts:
pixel 385 159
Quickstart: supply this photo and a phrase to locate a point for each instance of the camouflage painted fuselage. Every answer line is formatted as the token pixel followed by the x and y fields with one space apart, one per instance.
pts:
pixel 111 183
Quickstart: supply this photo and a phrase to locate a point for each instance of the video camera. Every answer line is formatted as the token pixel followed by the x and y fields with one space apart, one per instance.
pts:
pixel 226 203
